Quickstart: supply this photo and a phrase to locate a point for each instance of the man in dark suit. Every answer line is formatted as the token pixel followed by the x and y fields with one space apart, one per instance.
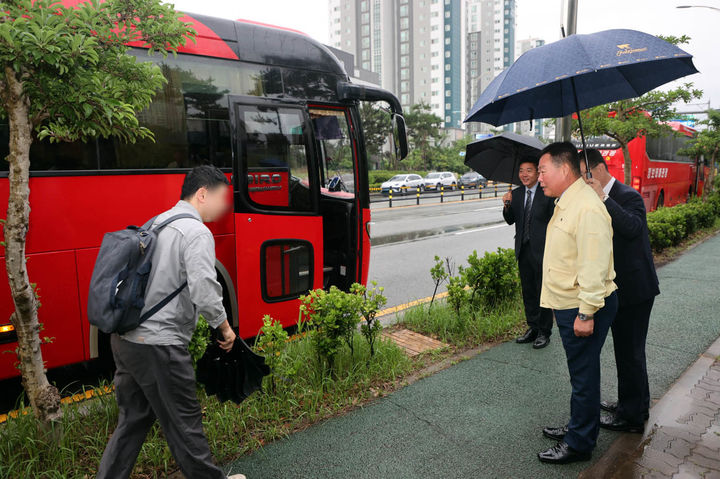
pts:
pixel 637 287
pixel 530 210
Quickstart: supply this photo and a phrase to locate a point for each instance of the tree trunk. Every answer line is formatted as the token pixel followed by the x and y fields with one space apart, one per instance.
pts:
pixel 710 180
pixel 44 398
pixel 628 163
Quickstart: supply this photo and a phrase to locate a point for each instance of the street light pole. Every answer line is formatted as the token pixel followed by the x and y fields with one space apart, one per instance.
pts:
pixel 563 126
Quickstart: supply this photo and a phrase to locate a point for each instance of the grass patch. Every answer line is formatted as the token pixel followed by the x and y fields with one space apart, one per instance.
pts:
pixel 472 327
pixel 308 396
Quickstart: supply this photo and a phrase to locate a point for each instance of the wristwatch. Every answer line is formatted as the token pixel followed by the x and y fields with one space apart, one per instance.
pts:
pixel 585 317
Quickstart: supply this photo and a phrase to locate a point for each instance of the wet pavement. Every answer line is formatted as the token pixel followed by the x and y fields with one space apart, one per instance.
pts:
pixel 682 438
pixel 483 417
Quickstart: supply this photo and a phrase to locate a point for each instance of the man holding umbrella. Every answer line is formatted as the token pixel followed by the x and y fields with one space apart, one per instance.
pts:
pixel 637 287
pixel 530 210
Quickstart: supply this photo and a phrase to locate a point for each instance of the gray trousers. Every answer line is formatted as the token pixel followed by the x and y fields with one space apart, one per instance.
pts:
pixel 156 382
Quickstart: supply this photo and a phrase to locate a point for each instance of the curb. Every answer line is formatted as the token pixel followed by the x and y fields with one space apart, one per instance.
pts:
pixel 420 234
pixel 628 447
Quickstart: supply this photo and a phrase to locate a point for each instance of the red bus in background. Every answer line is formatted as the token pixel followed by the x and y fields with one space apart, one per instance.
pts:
pixel 274 110
pixel 661 175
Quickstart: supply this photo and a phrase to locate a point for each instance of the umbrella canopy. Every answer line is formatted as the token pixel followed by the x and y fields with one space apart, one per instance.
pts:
pixel 232 375
pixel 498 158
pixel 579 72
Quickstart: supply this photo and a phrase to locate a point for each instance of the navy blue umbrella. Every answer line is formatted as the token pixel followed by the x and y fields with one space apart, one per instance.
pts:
pixel 579 72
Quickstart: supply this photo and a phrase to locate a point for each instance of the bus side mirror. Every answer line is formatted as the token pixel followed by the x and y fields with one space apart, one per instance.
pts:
pixel 400 146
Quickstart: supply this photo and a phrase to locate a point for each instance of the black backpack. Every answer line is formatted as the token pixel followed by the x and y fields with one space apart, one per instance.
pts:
pixel 120 278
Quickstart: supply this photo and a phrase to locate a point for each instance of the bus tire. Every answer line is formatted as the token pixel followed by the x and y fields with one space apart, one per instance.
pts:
pixel 660 200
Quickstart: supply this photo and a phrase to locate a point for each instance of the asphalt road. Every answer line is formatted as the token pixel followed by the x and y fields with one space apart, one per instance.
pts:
pixel 395 224
pixel 404 268
pixel 412 236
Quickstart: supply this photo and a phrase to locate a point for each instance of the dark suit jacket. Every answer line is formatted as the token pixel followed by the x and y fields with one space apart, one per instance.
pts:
pixel 540 214
pixel 636 278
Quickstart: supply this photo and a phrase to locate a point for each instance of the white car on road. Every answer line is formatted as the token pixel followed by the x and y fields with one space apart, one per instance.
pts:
pixel 447 179
pixel 401 184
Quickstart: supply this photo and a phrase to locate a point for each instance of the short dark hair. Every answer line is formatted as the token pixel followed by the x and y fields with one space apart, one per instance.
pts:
pixel 204 176
pixel 563 153
pixel 594 158
pixel 529 159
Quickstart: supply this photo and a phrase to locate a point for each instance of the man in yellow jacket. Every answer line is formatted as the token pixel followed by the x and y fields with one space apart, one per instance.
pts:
pixel 578 286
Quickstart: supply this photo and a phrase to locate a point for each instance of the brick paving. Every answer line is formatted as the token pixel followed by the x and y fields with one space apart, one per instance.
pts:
pixel 683 442
pixel 413 343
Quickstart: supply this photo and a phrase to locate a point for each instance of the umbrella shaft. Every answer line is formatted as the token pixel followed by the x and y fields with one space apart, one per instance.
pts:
pixel 582 134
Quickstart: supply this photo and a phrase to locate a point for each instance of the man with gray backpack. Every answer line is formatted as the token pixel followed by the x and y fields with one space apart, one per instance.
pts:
pixel 148 288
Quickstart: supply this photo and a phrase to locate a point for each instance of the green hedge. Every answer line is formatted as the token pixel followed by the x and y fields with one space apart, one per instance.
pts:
pixel 669 226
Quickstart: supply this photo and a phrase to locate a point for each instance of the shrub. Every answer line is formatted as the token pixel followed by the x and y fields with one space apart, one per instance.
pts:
pixel 372 300
pixel 457 294
pixel 439 275
pixel 663 235
pixel 272 344
pixel 669 226
pixel 334 316
pixel 493 278
pixel 704 212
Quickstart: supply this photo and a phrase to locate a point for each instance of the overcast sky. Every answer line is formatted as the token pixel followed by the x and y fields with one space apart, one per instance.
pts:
pixel 535 18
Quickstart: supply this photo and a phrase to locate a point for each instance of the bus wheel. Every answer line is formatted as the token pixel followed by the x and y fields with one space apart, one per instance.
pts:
pixel 661 200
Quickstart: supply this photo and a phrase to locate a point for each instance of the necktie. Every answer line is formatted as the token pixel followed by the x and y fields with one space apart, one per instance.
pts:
pixel 526 218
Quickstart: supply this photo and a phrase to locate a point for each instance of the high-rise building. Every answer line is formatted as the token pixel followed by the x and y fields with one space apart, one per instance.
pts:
pixel 473 47
pixel 489 47
pixel 439 52
pixel 527 44
pixel 498 37
pixel 537 127
pixel 414 45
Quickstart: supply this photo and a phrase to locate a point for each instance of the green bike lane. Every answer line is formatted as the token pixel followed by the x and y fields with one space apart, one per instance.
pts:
pixel 483 417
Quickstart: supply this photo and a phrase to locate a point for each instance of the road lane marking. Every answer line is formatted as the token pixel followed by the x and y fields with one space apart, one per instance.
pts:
pixel 478 230
pixel 404 306
pixel 417 302
pixel 489 208
pixel 74 398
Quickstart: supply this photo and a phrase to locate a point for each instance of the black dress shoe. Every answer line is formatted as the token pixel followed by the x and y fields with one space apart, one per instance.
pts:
pixel 528 337
pixel 556 433
pixel 614 423
pixel 561 453
pixel 541 341
pixel 612 408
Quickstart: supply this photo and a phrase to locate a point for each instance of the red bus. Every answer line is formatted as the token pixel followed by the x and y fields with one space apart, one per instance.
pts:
pixel 661 175
pixel 277 112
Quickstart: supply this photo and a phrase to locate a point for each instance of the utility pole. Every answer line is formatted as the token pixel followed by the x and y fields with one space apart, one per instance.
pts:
pixel 563 125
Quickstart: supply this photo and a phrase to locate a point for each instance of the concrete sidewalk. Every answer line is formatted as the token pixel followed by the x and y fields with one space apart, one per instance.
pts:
pixel 484 416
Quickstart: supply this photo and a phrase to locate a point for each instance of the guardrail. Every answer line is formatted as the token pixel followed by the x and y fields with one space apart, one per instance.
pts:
pixel 491 190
